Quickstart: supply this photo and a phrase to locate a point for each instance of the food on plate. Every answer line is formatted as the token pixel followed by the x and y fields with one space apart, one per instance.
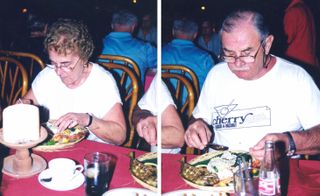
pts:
pixel 63 139
pixel 67 136
pixel 224 165
pixel 215 169
pixel 255 163
pixel 198 175
pixel 145 170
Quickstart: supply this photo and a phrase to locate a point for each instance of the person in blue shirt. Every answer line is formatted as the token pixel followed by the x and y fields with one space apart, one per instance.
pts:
pixel 182 51
pixel 209 39
pixel 147 31
pixel 121 42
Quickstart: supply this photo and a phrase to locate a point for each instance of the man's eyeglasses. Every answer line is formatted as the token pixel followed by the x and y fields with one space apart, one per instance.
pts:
pixel 66 67
pixel 244 58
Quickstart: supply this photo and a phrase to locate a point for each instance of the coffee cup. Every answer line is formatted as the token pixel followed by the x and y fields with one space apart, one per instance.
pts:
pixel 63 170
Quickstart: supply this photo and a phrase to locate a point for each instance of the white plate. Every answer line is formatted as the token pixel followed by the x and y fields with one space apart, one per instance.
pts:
pixel 193 192
pixel 129 192
pixel 73 184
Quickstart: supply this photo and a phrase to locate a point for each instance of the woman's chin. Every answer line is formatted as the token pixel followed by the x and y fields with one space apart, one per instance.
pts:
pixel 66 81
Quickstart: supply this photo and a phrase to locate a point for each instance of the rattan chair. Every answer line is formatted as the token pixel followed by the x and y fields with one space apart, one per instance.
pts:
pixel 185 71
pixel 185 107
pixel 31 62
pixel 129 90
pixel 120 60
pixel 13 80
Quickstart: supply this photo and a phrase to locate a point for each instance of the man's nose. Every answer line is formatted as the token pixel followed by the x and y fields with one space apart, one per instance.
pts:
pixel 238 61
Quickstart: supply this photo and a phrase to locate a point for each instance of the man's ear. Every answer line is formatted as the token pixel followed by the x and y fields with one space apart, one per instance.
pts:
pixel 268 44
pixel 194 35
pixel 133 27
pixel 45 29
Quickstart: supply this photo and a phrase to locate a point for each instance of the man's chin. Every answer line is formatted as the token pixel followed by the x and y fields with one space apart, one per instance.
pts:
pixel 243 75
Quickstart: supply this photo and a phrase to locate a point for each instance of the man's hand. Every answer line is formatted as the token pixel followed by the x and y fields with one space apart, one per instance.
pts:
pixel 147 129
pixel 198 135
pixel 280 140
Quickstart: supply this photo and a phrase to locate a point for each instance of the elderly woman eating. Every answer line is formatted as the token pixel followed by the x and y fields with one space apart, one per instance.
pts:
pixel 77 92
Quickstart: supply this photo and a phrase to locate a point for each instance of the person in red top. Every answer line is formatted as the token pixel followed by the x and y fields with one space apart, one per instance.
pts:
pixel 299 27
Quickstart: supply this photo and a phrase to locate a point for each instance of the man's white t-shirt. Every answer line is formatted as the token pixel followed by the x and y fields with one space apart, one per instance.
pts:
pixel 243 111
pixel 97 95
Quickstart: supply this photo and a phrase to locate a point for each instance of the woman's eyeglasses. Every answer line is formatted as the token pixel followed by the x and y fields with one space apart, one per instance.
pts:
pixel 65 66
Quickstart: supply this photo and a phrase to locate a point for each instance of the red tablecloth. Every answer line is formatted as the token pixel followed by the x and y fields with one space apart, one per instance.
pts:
pixel 31 187
pixel 303 178
pixel 171 179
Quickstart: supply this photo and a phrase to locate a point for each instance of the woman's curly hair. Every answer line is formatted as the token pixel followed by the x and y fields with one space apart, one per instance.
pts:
pixel 67 36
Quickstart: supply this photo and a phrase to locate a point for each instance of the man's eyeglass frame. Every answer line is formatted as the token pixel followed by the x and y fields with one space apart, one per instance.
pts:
pixel 243 58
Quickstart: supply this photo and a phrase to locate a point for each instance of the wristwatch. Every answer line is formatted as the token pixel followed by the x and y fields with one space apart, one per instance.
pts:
pixel 292 146
pixel 90 120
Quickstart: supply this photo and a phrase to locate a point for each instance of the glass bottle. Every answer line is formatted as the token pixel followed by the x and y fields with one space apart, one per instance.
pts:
pixel 269 176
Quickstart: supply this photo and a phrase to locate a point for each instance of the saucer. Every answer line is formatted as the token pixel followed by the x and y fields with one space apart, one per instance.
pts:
pixel 73 184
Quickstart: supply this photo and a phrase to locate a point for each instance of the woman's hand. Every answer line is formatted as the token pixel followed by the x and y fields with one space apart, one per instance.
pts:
pixel 147 129
pixel 70 120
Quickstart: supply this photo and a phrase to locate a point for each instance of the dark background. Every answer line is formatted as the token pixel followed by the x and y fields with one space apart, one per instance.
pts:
pixel 97 14
pixel 216 10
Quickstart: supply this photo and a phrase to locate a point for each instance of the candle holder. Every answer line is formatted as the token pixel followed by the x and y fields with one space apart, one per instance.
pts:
pixel 23 163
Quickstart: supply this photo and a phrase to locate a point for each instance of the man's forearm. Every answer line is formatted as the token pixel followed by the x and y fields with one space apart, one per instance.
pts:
pixel 308 141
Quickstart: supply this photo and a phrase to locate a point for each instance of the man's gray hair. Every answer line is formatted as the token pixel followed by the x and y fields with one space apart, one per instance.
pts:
pixel 239 16
pixel 124 18
pixel 185 26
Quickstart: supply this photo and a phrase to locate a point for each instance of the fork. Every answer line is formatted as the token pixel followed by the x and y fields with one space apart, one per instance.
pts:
pixel 214 146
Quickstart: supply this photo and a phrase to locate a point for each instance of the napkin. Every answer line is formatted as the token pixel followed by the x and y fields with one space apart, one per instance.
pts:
pixel 304 178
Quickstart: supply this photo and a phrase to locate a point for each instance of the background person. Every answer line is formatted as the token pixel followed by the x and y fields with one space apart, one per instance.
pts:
pixel 299 26
pixel 121 42
pixel 182 51
pixel 209 39
pixel 147 31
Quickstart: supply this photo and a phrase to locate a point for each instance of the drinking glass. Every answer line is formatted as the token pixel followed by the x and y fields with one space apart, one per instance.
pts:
pixel 98 171
pixel 244 183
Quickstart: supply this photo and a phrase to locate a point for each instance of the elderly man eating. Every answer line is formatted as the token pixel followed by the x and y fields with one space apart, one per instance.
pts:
pixel 253 93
